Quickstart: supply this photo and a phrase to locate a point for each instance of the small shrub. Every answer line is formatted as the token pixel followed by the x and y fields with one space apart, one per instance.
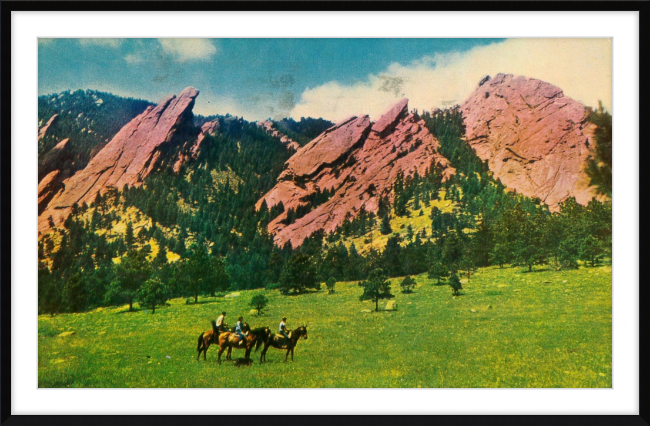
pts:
pixel 259 302
pixel 454 283
pixel 407 285
pixel 330 283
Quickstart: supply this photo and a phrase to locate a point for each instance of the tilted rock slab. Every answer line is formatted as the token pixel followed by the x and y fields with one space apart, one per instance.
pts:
pixel 359 161
pixel 192 151
pixel 54 158
pixel 269 127
pixel 536 140
pixel 47 188
pixel 128 158
pixel 43 131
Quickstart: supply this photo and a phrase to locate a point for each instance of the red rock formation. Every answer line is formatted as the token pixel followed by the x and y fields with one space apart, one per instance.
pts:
pixel 192 151
pixel 43 131
pixel 535 140
pixel 53 159
pixel 47 187
pixel 358 161
pixel 128 158
pixel 269 127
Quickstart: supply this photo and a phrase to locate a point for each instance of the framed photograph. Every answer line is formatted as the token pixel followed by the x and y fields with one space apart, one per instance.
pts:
pixel 278 208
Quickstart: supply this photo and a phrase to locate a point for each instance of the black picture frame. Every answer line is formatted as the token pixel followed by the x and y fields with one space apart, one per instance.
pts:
pixel 6 9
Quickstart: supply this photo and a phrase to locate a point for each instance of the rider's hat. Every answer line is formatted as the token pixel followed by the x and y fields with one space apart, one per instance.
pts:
pixel 223 313
pixel 284 318
pixel 241 318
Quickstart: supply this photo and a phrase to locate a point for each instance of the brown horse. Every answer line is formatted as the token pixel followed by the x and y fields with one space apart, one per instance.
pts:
pixel 254 338
pixel 208 338
pixel 277 339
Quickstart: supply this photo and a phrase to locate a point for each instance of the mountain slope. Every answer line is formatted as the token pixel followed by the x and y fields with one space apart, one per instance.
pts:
pixel 129 157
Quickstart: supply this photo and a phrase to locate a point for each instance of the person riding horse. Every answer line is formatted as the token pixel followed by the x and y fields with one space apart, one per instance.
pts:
pixel 239 330
pixel 283 330
pixel 221 325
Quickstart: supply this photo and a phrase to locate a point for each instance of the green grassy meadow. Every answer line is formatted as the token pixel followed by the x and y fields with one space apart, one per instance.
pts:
pixel 510 328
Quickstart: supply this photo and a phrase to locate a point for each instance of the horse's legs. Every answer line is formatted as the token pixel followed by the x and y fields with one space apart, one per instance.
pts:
pixel 229 354
pixel 221 349
pixel 286 356
pixel 205 350
pixel 292 354
pixel 248 353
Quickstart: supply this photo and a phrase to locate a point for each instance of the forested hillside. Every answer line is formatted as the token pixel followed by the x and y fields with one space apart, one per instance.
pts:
pixel 198 232
pixel 89 118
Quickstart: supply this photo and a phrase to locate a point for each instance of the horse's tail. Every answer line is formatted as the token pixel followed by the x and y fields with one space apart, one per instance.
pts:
pixel 258 342
pixel 198 348
pixel 214 327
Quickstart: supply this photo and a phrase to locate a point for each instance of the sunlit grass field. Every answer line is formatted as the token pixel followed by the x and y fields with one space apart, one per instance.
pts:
pixel 509 328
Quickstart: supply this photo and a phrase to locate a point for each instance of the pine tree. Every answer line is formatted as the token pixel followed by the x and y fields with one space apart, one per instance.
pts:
pixel 153 293
pixel 454 283
pixel 128 237
pixel 438 271
pixel 385 225
pixel 407 284
pixel 376 287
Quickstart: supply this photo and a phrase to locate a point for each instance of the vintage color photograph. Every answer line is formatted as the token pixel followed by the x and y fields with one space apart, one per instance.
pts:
pixel 324 213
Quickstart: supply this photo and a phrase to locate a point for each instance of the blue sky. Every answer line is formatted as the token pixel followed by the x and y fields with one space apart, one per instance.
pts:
pixel 262 78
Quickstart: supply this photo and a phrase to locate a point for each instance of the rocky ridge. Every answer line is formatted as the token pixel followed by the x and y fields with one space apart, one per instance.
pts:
pixel 133 153
pixel 357 161
pixel 269 127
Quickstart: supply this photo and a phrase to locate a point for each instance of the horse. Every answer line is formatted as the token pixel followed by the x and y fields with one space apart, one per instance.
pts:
pixel 230 340
pixel 207 338
pixel 276 342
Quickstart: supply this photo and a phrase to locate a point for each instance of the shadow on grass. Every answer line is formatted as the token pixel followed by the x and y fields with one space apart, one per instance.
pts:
pixel 200 302
pixel 536 270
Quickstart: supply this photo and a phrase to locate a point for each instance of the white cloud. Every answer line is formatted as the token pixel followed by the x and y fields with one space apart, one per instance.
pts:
pixel 211 103
pixel 133 58
pixel 113 43
pixel 582 68
pixel 188 49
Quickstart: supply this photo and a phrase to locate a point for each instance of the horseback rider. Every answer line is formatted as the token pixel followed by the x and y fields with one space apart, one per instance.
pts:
pixel 239 330
pixel 221 326
pixel 283 330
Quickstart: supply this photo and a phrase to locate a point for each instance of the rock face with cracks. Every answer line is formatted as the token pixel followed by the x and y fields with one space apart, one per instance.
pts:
pixel 135 151
pixel 535 140
pixel 357 161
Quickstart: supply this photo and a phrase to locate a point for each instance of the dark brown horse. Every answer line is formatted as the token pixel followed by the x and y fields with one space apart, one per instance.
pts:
pixel 254 338
pixel 208 338
pixel 277 340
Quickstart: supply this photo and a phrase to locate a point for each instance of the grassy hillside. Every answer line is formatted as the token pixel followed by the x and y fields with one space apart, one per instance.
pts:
pixel 508 329
pixel 399 224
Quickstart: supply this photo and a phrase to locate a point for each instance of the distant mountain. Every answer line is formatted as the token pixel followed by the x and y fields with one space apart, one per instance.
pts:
pixel 88 118
pixel 303 131
pixel 533 139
